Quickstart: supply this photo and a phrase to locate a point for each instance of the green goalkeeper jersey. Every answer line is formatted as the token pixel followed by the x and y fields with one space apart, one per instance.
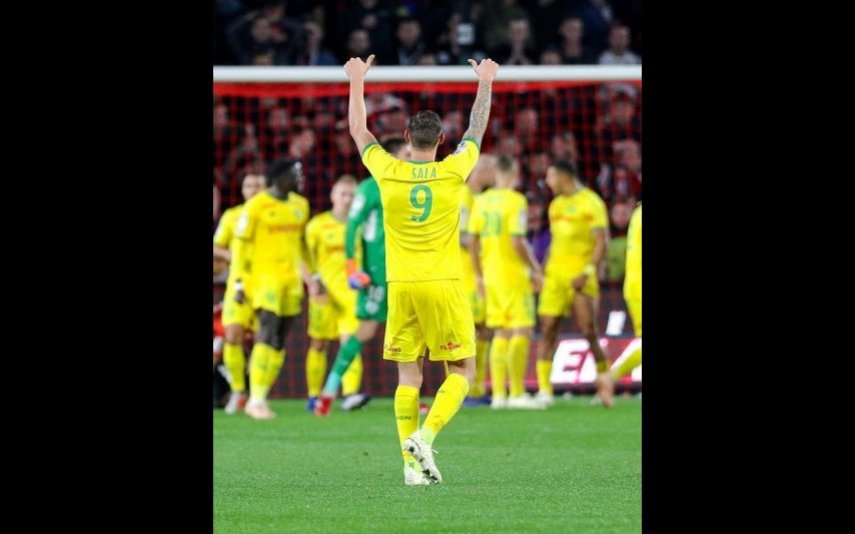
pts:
pixel 367 211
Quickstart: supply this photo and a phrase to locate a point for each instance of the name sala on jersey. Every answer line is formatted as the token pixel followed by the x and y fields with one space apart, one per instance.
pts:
pixel 424 173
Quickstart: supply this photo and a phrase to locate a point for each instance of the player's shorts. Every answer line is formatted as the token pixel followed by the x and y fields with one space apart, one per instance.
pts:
pixel 634 307
pixel 333 315
pixel 371 303
pixel 557 293
pixel 282 299
pixel 510 305
pixel 434 314
pixel 237 314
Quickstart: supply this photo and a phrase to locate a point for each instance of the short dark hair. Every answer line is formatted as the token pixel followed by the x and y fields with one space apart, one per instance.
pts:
pixel 425 127
pixel 505 163
pixel 393 144
pixel 279 169
pixel 566 167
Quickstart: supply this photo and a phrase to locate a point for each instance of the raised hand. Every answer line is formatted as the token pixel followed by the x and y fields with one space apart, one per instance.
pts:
pixel 486 70
pixel 356 68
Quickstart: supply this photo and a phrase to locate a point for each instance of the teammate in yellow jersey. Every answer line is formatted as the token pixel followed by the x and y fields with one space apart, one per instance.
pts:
pixel 237 317
pixel 482 176
pixel 579 225
pixel 507 270
pixel 428 308
pixel 332 307
pixel 272 227
pixel 632 292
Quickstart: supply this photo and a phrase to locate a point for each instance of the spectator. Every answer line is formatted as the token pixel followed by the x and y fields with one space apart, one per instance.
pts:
pixel 550 56
pixel 493 21
pixel 616 252
pixel 538 231
pixel 410 44
pixel 375 19
pixel 563 146
pixel 573 52
pixel 619 123
pixel 527 130
pixel 619 52
pixel 597 17
pixel 315 52
pixel 358 45
pixel 520 47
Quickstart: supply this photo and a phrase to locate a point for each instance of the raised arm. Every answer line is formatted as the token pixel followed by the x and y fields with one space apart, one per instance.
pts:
pixel 356 70
pixel 480 115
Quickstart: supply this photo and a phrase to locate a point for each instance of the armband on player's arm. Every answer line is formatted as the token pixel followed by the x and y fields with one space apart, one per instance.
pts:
pixel 590 270
pixel 356 278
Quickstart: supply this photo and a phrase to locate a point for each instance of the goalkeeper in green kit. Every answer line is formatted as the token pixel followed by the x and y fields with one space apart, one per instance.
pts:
pixel 370 280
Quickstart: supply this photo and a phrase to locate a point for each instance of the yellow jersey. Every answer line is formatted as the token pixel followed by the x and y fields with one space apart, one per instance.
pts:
pixel 325 239
pixel 498 215
pixel 572 218
pixel 421 211
pixel 632 282
pixel 275 229
pixel 225 237
pixel 467 200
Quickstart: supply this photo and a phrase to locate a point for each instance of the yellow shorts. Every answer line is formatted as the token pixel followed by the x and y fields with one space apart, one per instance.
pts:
pixel 510 305
pixel 333 315
pixel 237 314
pixel 634 307
pixel 434 314
pixel 558 293
pixel 282 299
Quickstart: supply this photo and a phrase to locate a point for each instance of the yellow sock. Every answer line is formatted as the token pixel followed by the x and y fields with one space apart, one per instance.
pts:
pixel 603 366
pixel 406 416
pixel 351 380
pixel 631 362
pixel 544 369
pixel 274 364
pixel 499 365
pixel 235 362
pixel 258 386
pixel 448 400
pixel 316 370
pixel 518 363
pixel 478 389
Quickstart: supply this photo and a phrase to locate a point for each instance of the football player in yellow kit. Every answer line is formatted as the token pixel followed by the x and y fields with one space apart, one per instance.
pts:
pixel 428 307
pixel 632 292
pixel 332 313
pixel 579 225
pixel 508 272
pixel 481 177
pixel 271 228
pixel 237 318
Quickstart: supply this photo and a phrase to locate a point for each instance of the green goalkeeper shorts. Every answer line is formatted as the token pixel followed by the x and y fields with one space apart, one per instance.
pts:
pixel 371 303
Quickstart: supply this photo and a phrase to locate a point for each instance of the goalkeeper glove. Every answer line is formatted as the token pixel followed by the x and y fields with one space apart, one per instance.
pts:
pixel 356 278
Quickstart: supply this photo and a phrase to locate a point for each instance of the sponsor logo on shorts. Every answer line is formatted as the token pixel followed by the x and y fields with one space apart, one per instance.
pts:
pixel 391 348
pixel 450 346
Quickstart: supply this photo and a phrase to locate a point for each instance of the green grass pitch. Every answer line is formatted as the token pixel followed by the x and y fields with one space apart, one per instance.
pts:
pixel 572 468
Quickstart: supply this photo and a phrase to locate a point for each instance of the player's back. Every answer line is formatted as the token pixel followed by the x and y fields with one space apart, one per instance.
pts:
pixel 275 227
pixel 421 212
pixel 571 221
pixel 501 214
